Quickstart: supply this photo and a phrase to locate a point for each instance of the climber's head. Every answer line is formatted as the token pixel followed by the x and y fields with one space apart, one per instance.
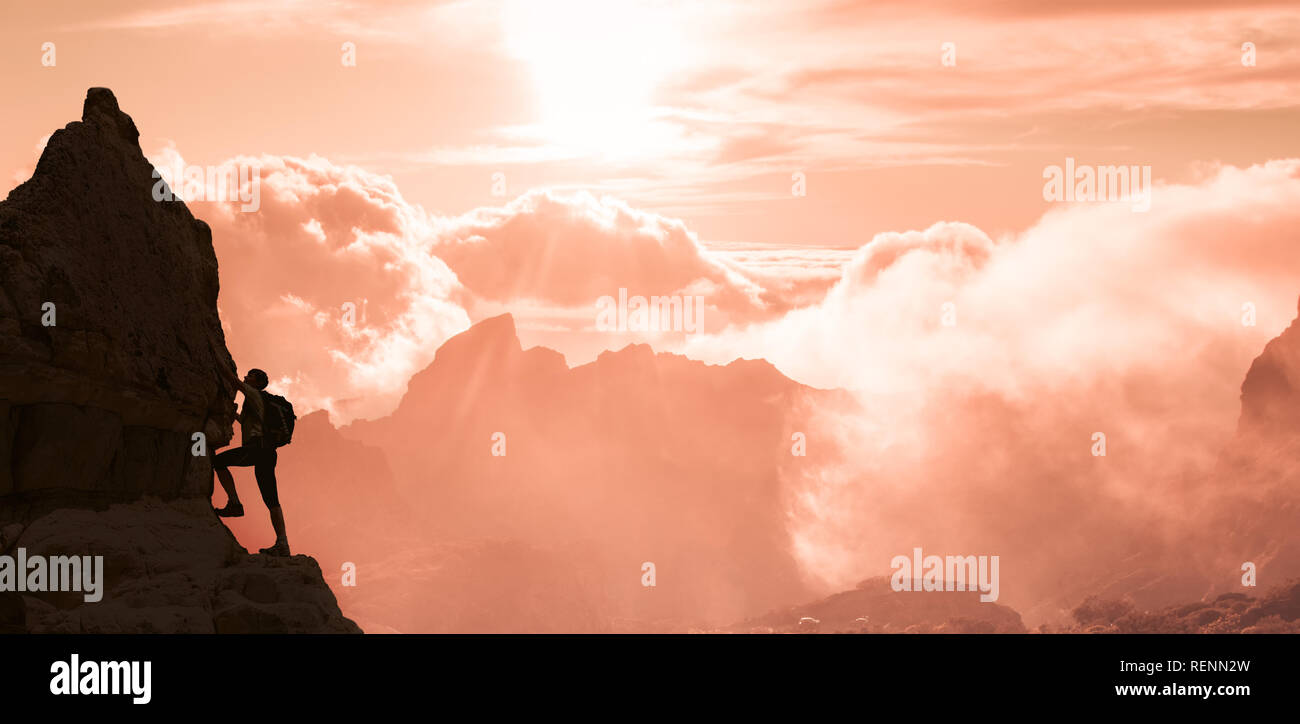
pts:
pixel 257 378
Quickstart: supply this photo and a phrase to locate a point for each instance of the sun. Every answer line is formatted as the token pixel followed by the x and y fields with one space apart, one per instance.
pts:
pixel 595 65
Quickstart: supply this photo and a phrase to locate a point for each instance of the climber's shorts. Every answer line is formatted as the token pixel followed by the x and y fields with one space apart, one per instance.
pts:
pixel 261 459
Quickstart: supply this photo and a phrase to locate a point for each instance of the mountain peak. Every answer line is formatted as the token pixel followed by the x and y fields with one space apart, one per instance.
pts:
pixel 639 351
pixel 494 336
pixel 101 109
pixel 99 100
pixel 1271 391
pixel 135 284
pixel 487 345
pixel 502 325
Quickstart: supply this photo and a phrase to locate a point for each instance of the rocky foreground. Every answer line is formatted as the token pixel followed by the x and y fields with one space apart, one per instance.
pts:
pixel 109 341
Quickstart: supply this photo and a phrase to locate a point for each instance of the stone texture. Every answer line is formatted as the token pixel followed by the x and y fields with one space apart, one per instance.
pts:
pixel 97 411
pixel 172 567
pixel 100 407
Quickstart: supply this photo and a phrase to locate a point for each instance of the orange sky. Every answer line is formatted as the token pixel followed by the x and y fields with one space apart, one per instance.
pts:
pixel 696 110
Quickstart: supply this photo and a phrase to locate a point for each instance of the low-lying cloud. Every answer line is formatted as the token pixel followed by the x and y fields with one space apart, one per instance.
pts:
pixel 342 289
pixel 570 250
pixel 328 285
pixel 985 367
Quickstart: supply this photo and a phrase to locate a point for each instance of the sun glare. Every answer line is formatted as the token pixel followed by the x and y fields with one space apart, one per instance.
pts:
pixel 595 64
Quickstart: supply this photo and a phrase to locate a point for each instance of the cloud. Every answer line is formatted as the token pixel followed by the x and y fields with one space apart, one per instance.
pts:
pixel 324 237
pixel 24 173
pixel 568 251
pixel 342 289
pixel 791 276
pixel 977 438
pixel 389 20
pixel 840 11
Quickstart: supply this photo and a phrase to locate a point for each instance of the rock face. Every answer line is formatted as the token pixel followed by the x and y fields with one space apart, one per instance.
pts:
pixel 171 567
pixel 107 305
pixel 109 342
pixel 1270 394
pixel 1247 503
pixel 1262 468
pixel 1276 611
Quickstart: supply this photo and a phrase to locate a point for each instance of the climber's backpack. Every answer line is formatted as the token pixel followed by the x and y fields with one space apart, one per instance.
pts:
pixel 277 420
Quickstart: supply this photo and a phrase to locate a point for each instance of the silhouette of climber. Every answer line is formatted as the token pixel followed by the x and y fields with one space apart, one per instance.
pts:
pixel 253 451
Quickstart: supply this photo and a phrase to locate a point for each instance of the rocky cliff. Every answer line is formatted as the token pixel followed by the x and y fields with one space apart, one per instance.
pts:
pixel 1270 394
pixel 1261 468
pixel 107 302
pixel 109 341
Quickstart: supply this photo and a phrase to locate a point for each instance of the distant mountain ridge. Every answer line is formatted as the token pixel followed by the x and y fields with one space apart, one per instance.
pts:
pixel 637 457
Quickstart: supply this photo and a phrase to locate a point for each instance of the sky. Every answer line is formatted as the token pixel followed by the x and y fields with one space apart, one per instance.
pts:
pixel 696 110
pixel 859 193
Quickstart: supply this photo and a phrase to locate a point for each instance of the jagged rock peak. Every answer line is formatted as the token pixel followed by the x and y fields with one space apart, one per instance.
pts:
pixel 101 109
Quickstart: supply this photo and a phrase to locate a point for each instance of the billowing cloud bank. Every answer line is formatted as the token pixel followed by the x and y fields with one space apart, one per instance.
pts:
pixel 328 284
pixel 570 251
pixel 342 289
pixel 977 436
